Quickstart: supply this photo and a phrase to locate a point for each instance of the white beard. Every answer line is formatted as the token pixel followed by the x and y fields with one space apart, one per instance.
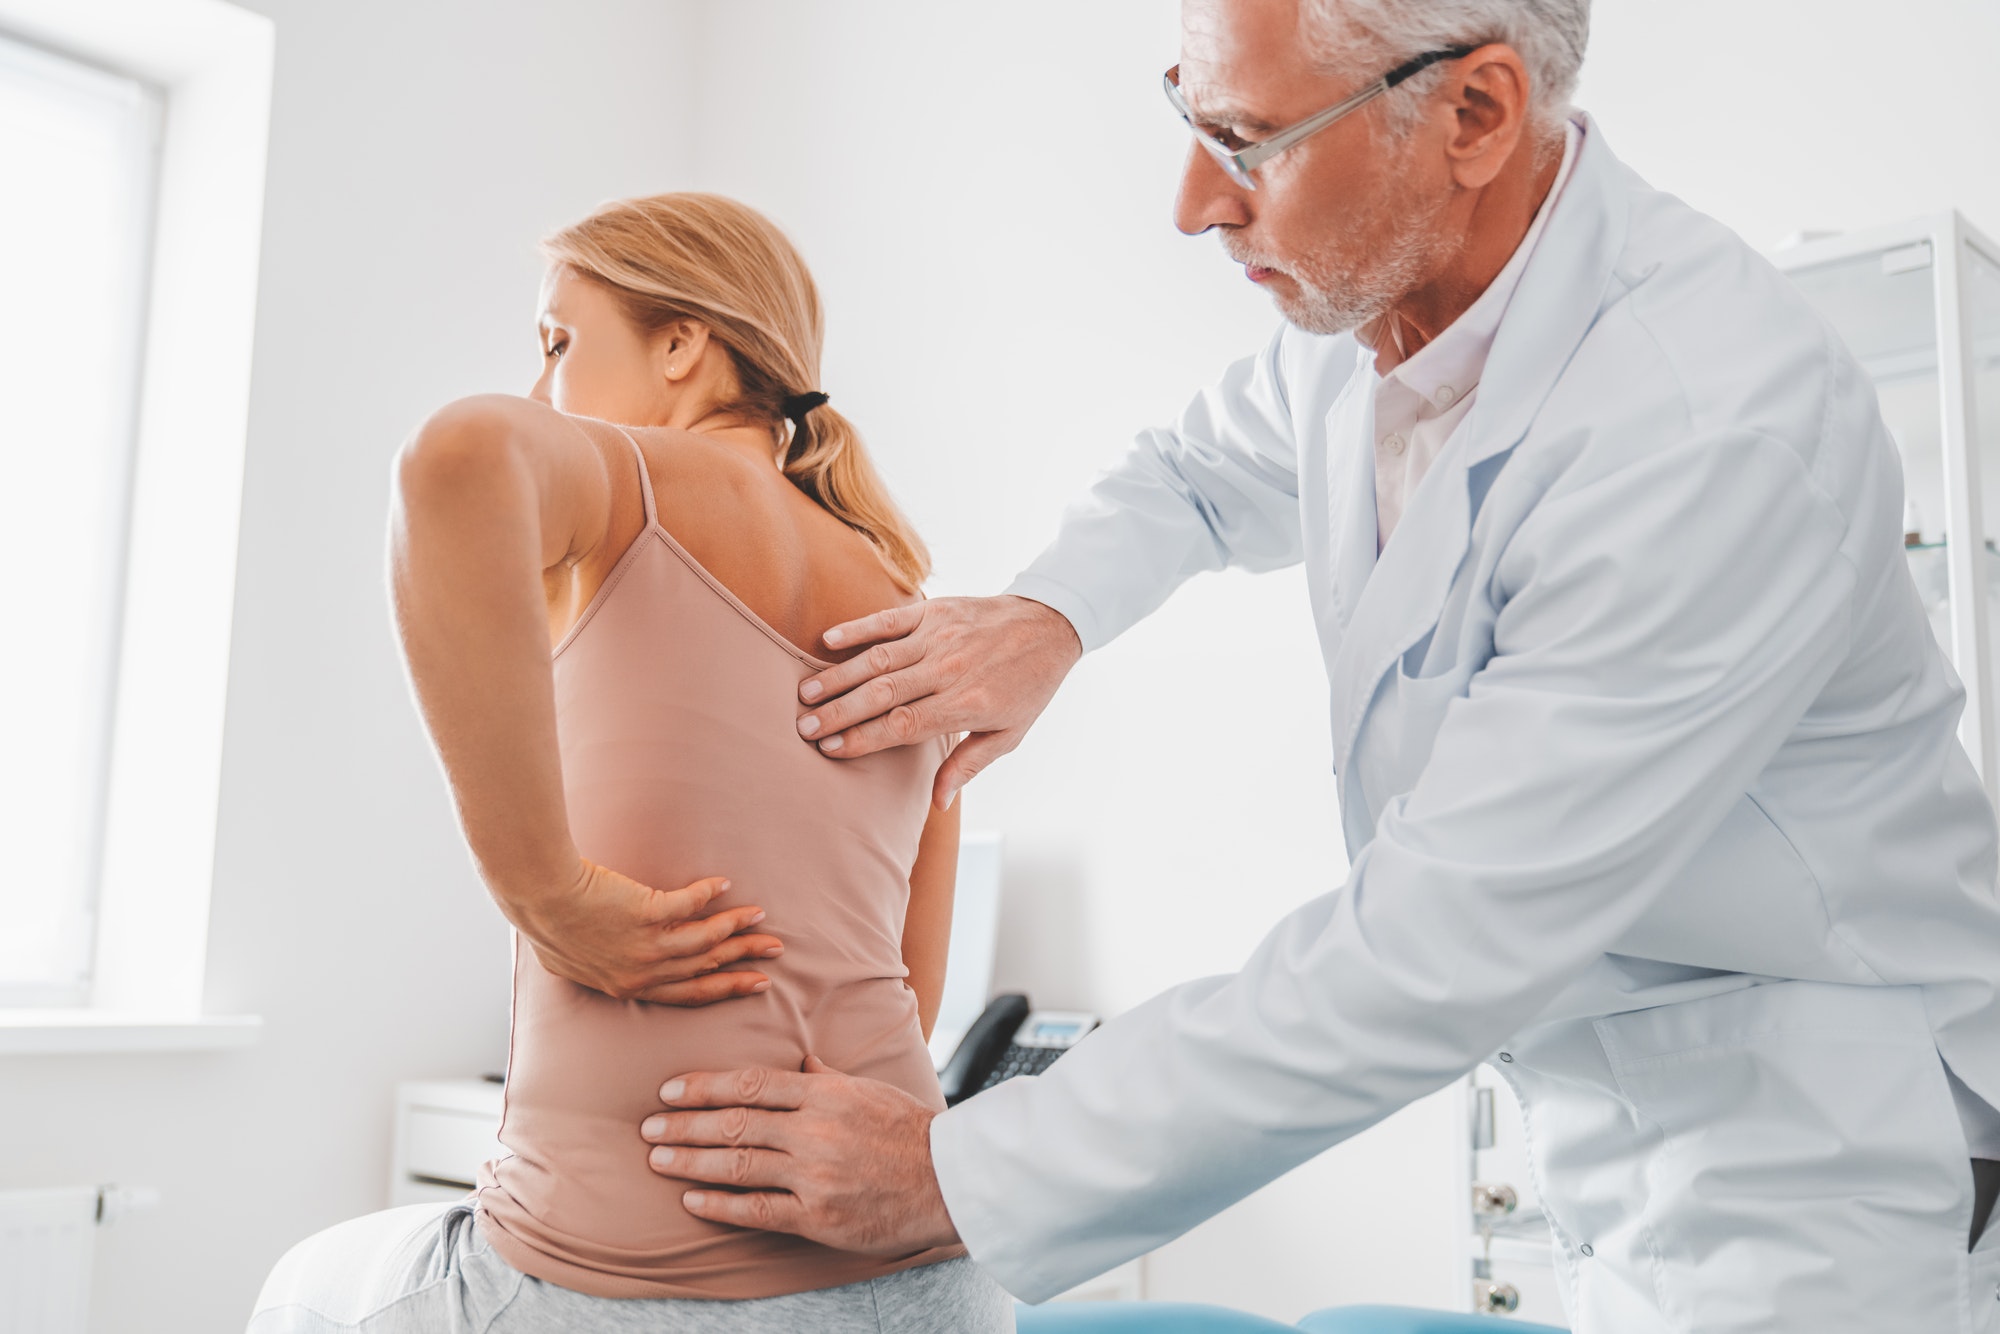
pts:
pixel 1338 292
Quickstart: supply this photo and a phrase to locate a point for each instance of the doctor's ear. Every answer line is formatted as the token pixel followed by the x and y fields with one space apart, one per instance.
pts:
pixel 1488 95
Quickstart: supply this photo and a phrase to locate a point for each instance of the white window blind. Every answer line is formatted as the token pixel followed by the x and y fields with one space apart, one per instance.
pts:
pixel 79 148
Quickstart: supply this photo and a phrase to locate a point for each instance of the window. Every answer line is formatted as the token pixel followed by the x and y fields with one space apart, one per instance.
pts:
pixel 79 148
pixel 132 144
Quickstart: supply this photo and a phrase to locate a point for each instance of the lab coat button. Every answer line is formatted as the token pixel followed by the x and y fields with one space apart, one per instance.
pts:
pixel 1585 1250
pixel 1508 1057
pixel 1394 444
pixel 1444 395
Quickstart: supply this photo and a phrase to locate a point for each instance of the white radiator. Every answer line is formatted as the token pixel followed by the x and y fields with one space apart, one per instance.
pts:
pixel 46 1240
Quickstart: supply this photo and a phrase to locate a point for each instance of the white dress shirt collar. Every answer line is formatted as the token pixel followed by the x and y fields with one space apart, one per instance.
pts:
pixel 1419 404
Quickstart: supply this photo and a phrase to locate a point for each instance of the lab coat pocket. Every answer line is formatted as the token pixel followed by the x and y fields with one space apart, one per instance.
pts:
pixel 1403 723
pixel 1809 1162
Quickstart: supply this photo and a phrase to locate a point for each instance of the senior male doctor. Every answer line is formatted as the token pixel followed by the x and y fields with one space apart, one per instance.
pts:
pixel 1647 760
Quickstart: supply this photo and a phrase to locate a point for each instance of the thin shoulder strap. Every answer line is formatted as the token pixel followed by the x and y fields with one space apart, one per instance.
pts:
pixel 645 479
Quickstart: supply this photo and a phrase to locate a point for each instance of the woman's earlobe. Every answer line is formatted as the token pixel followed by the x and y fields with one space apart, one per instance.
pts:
pixel 684 342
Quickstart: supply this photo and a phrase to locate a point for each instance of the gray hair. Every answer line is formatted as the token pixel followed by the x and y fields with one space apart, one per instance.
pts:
pixel 1366 37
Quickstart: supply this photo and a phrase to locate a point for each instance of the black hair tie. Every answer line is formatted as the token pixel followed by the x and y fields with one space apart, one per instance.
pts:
pixel 798 405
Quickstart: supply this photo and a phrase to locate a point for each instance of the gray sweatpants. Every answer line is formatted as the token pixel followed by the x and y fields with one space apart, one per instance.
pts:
pixel 426 1269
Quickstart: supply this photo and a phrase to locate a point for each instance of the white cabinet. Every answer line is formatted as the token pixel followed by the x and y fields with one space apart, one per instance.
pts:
pixel 445 1128
pixel 1918 303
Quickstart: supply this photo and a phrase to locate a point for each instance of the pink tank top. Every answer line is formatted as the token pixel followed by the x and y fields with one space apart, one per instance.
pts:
pixel 675 707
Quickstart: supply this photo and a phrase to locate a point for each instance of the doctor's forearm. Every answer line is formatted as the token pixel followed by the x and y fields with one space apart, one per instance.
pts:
pixel 1140 532
pixel 1217 489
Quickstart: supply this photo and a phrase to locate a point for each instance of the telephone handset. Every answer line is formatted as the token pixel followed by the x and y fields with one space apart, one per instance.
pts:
pixel 1009 1039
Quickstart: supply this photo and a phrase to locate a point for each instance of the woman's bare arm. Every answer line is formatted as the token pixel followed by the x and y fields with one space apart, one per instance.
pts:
pixel 492 494
pixel 927 926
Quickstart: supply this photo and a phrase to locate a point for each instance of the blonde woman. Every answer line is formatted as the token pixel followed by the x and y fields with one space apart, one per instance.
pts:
pixel 608 593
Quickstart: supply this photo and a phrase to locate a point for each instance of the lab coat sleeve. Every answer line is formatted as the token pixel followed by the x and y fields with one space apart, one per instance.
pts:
pixel 1219 488
pixel 1664 626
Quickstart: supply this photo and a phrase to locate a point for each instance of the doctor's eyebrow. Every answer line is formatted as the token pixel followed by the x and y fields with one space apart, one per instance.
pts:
pixel 1225 114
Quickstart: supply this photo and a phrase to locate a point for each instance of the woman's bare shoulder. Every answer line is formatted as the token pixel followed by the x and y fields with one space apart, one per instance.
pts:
pixel 783 554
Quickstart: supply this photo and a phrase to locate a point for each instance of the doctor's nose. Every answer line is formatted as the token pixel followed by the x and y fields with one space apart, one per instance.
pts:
pixel 1207 197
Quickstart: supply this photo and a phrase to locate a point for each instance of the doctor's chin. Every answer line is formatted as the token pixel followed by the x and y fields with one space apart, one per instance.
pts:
pixel 1173 667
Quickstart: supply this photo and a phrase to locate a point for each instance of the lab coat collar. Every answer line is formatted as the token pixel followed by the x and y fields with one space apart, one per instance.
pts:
pixel 1560 297
pixel 1455 360
pixel 1388 605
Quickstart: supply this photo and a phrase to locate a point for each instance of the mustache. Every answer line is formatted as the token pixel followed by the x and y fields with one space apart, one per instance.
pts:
pixel 1243 254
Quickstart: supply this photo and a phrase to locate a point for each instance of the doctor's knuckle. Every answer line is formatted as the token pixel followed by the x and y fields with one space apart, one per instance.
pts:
pixel 749 1084
pixel 880 660
pixel 903 722
pixel 735 1124
pixel 739 1168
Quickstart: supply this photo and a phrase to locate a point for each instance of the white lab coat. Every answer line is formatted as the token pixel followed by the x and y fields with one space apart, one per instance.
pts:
pixel 1649 780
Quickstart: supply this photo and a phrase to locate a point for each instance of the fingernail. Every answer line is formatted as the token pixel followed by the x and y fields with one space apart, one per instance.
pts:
pixel 808 725
pixel 663 1157
pixel 774 951
pixel 694 1199
pixel 671 1090
pixel 762 986
pixel 757 917
pixel 811 691
pixel 721 887
pixel 950 797
pixel 653 1125
pixel 832 743
pixel 833 638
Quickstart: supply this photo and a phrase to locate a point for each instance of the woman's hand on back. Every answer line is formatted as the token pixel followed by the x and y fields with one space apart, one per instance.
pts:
pixel 612 934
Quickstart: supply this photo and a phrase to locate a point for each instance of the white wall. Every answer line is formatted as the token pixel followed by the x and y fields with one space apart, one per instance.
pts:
pixel 983 191
pixel 417 151
pixel 1782 115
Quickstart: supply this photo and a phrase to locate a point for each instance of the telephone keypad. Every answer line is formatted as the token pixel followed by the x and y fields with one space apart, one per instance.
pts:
pixel 1021 1060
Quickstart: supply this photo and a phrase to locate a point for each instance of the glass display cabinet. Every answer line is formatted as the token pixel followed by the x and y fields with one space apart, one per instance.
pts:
pixel 1919 305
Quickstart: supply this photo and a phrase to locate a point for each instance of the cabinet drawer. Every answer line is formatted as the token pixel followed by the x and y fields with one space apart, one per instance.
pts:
pixel 446 1145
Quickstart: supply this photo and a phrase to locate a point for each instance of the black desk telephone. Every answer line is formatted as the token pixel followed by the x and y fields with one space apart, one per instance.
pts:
pixel 1009 1039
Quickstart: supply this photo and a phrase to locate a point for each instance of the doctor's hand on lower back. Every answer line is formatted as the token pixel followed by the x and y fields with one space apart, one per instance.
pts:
pixel 983 666
pixel 842 1161
pixel 612 934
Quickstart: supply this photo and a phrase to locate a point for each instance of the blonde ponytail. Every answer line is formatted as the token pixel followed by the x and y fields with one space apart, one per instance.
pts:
pixel 709 258
pixel 826 460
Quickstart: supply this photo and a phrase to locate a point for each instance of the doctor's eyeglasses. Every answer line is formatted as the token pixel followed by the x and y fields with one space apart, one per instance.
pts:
pixel 1240 159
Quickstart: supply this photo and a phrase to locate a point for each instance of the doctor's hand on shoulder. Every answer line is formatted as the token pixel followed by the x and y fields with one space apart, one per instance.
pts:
pixel 983 666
